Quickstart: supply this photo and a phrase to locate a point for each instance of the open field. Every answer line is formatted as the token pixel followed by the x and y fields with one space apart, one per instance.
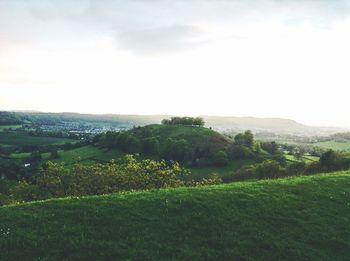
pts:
pixel 4 127
pixel 334 145
pixel 300 218
pixel 306 158
pixel 88 154
pixel 17 138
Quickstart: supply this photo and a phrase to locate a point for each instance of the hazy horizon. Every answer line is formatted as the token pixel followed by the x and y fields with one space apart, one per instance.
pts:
pixel 176 115
pixel 266 59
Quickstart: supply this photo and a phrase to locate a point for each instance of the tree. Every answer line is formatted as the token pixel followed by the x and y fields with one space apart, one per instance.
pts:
pixel 270 169
pixel 178 150
pixel 328 159
pixel 270 146
pixel 35 156
pixel 240 152
pixel 220 158
pixel 189 121
pixel 150 146
pixel 54 154
pixel 245 139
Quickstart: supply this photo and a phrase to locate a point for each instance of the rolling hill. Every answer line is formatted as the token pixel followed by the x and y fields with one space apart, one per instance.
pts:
pixel 299 218
pixel 221 123
pixel 199 137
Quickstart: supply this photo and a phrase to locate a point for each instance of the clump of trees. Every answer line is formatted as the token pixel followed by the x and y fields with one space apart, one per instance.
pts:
pixel 244 147
pixel 276 167
pixel 188 121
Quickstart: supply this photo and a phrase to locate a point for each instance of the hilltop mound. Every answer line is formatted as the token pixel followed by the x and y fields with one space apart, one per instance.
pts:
pixel 300 218
pixel 189 145
pixel 198 137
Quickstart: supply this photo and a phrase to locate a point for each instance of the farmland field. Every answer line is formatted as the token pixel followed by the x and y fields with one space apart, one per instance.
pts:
pixel 334 145
pixel 17 138
pixel 4 127
pixel 87 155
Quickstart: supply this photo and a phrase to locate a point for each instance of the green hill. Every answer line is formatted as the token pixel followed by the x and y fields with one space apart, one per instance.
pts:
pixel 300 218
pixel 198 137
pixel 192 146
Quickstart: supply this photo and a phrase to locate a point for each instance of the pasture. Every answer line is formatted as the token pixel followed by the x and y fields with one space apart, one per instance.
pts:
pixel 21 138
pixel 299 218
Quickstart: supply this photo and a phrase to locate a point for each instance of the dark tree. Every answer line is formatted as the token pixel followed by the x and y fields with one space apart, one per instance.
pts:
pixel 220 158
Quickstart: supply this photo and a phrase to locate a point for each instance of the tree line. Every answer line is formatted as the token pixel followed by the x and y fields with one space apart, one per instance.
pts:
pixel 187 121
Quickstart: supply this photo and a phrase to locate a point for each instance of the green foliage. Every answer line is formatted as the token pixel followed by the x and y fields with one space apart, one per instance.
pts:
pixel 270 169
pixel 189 121
pixel 220 158
pixel 245 139
pixel 240 152
pixel 178 150
pixel 35 156
pixel 55 180
pixel 150 146
pixel 270 146
pixel 54 154
pixel 266 169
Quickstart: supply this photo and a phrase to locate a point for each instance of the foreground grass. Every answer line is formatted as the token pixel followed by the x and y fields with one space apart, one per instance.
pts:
pixel 303 218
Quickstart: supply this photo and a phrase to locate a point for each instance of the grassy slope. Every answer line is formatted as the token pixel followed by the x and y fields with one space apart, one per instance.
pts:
pixel 303 218
pixel 88 154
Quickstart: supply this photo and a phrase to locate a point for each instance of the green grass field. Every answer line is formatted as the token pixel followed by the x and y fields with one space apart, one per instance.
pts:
pixel 306 158
pixel 334 145
pixel 299 218
pixel 87 155
pixel 18 138
pixel 4 127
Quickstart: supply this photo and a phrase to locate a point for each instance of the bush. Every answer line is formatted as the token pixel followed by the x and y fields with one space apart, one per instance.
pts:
pixel 244 173
pixel 220 158
pixel 241 152
pixel 57 181
pixel 270 169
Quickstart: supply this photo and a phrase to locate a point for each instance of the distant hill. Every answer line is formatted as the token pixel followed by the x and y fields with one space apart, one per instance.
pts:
pixel 299 218
pixel 220 123
pixel 274 125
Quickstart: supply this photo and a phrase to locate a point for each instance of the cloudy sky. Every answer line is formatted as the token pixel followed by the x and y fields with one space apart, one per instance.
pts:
pixel 264 58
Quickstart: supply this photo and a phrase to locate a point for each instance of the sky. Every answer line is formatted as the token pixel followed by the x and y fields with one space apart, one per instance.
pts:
pixel 262 58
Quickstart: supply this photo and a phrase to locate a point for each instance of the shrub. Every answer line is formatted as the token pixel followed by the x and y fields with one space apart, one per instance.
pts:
pixel 57 181
pixel 220 158
pixel 270 169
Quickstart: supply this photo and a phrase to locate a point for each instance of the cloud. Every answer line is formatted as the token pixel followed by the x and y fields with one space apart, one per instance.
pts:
pixel 160 39
pixel 151 26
